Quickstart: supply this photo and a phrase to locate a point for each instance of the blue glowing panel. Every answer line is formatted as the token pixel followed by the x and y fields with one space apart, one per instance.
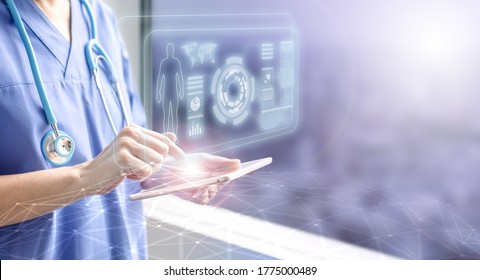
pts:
pixel 222 81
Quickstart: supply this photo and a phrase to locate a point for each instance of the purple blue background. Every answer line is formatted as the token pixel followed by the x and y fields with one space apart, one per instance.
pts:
pixel 387 152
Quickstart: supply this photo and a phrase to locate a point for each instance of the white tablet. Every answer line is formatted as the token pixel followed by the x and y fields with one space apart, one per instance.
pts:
pixel 246 168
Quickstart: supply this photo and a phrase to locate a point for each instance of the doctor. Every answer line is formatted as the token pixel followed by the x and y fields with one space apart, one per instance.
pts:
pixel 70 158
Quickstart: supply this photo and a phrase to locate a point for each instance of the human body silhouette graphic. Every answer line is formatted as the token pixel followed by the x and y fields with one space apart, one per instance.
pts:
pixel 170 89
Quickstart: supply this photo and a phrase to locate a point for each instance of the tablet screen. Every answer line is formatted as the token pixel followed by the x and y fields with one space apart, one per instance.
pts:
pixel 200 179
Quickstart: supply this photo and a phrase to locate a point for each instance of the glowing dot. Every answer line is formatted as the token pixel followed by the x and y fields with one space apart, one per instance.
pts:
pixel 159 225
pixel 83 190
pixel 17 204
pixel 316 225
pixel 197 242
pixel 34 204
pixel 390 235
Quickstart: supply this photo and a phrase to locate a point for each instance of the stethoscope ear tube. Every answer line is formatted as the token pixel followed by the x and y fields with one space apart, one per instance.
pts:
pixel 51 119
pixel 94 52
pixel 93 25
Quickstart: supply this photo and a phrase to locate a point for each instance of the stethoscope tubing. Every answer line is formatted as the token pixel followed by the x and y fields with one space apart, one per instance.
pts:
pixel 49 114
pixel 94 52
pixel 93 22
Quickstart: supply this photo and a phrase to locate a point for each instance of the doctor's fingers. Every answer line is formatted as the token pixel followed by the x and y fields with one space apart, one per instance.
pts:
pixel 132 136
pixel 209 193
pixel 213 190
pixel 200 196
pixel 126 148
pixel 140 173
pixel 136 169
pixel 168 138
pixel 219 164
pixel 204 195
pixel 150 144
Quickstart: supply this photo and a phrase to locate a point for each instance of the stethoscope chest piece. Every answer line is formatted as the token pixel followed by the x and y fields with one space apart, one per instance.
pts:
pixel 57 146
pixel 57 150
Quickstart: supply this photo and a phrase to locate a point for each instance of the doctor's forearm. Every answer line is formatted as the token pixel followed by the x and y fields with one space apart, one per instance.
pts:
pixel 136 153
pixel 30 195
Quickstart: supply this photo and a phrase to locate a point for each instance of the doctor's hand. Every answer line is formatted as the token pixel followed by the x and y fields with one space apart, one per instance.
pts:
pixel 136 153
pixel 194 167
pixel 213 165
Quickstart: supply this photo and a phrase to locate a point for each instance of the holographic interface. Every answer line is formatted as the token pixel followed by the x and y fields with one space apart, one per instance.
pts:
pixel 221 81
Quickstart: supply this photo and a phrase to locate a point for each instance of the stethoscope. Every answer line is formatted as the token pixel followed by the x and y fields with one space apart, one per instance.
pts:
pixel 57 146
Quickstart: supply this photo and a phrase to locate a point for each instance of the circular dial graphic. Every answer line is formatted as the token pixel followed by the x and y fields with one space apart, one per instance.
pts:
pixel 233 88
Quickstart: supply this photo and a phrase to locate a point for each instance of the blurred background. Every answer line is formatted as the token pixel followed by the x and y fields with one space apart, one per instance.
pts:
pixel 387 151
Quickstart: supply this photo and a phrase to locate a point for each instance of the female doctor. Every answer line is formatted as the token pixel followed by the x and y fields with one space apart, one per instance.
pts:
pixel 70 152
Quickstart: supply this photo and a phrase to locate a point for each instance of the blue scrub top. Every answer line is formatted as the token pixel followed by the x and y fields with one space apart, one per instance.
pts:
pixel 98 227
